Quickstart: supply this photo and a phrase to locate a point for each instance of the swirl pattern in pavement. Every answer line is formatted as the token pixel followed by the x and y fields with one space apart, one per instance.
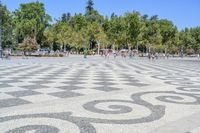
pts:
pixel 90 97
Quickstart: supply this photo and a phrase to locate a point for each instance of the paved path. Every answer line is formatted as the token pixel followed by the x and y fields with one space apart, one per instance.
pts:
pixel 97 95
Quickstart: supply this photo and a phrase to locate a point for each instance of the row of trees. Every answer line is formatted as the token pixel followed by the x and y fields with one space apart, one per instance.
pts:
pixel 28 28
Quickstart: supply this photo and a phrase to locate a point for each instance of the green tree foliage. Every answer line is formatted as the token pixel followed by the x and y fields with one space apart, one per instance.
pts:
pixel 168 32
pixel 91 14
pixel 187 41
pixel 89 8
pixel 133 28
pixel 116 32
pixel 28 45
pixel 30 23
pixel 152 35
pixel 80 40
pixel 7 28
pixel 195 33
pixel 49 35
pixel 63 33
pixel 78 22
pixel 64 17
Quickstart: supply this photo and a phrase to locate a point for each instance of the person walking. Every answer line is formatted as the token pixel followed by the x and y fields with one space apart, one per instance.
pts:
pixel 115 55
pixel 85 53
pixel 149 56
pixel 156 56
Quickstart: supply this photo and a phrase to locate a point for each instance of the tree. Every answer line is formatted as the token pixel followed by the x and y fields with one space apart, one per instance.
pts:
pixel 116 31
pixel 29 45
pixel 131 30
pixel 78 22
pixel 31 20
pixel 168 32
pixel 93 29
pixel 145 17
pixel 49 34
pixel 7 28
pixel 91 14
pixel 187 41
pixel 152 36
pixel 195 32
pixel 63 34
pixel 89 7
pixel 80 40
pixel 68 16
pixel 64 17
pixel 113 15
pixel 154 18
pixel 133 27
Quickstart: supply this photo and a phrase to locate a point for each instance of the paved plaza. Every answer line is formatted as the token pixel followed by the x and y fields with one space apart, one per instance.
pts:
pixel 98 95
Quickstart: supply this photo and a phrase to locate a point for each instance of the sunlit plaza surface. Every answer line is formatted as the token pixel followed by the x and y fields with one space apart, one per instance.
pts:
pixel 98 95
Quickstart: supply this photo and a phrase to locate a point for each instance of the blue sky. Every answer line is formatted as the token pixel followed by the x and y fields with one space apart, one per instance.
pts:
pixel 183 13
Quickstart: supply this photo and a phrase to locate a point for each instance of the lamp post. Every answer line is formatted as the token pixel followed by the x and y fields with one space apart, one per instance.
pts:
pixel 1 49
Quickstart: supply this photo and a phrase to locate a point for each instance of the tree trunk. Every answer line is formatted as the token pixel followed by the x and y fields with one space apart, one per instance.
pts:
pixel 113 46
pixel 129 47
pixel 165 51
pixel 64 47
pixel 61 47
pixel 98 48
pixel 51 47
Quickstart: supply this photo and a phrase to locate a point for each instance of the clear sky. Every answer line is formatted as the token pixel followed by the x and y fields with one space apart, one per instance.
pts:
pixel 183 13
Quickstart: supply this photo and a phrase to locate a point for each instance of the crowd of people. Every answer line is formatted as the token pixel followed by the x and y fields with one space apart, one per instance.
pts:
pixel 130 54
pixel 103 53
pixel 123 54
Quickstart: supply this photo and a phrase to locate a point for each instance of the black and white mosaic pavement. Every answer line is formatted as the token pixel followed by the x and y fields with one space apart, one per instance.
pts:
pixel 97 95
